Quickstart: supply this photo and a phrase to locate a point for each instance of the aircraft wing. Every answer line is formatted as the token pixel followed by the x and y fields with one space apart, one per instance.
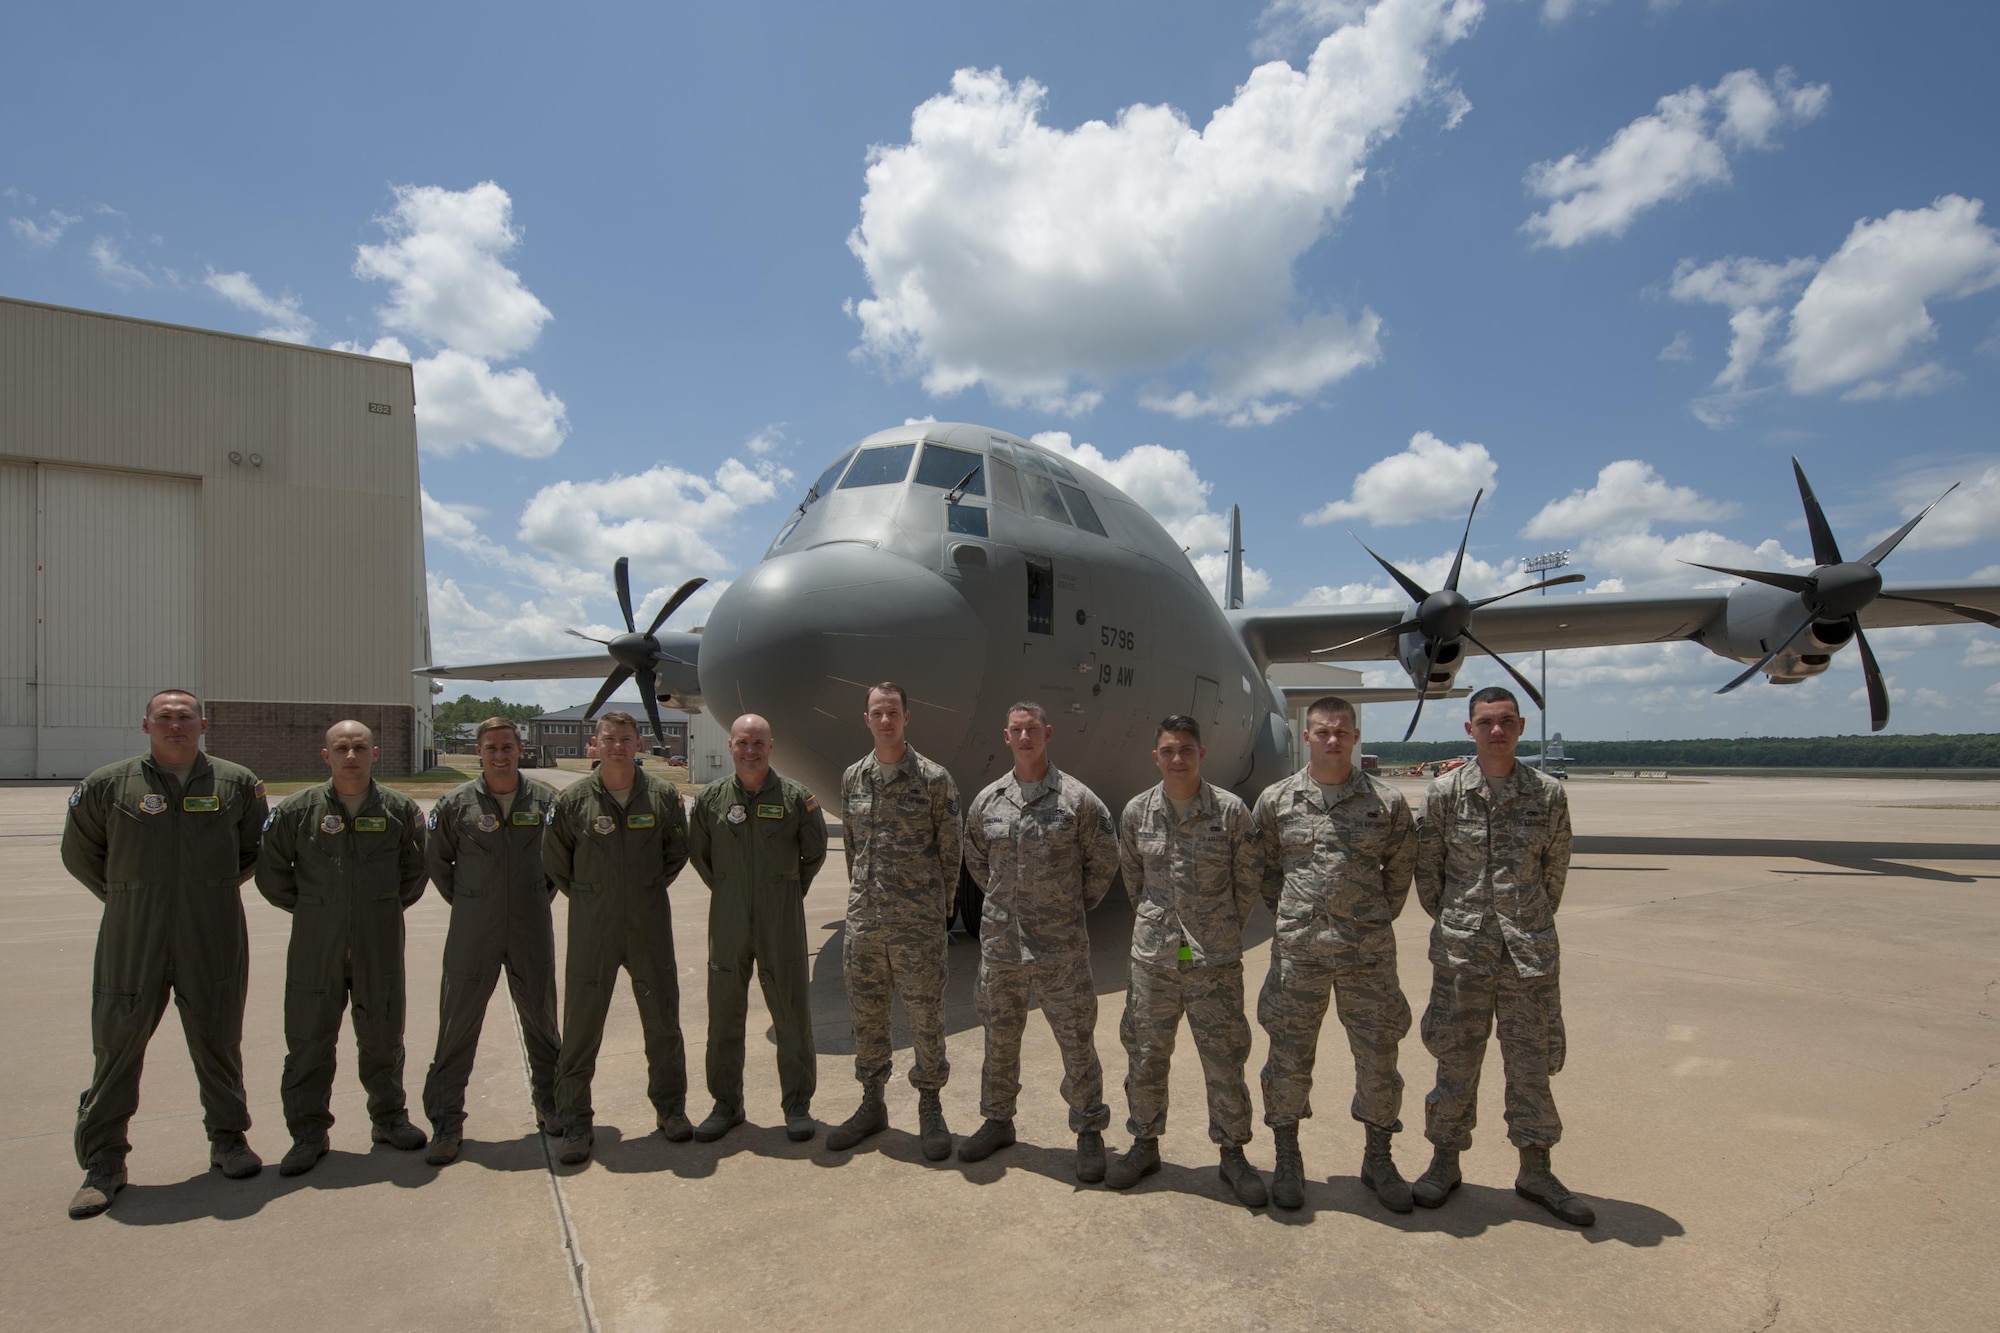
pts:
pixel 1885 614
pixel 595 664
pixel 1529 622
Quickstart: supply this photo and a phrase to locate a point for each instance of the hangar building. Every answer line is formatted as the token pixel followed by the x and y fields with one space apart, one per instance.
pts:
pixel 185 507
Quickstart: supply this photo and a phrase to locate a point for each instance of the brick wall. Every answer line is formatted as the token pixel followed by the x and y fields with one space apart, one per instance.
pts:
pixel 284 740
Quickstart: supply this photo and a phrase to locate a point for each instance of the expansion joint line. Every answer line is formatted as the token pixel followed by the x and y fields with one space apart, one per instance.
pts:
pixel 573 1261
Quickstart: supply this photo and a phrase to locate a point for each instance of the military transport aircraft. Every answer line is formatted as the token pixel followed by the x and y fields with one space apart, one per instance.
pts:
pixel 977 569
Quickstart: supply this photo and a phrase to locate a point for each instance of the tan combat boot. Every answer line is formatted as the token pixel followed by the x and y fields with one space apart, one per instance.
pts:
pixel 1379 1173
pixel 1538 1183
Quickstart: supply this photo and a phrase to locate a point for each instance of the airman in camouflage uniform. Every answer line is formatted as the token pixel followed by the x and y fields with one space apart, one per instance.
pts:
pixel 1193 872
pixel 1042 847
pixel 1493 860
pixel 345 859
pixel 899 816
pixel 165 841
pixel 1339 847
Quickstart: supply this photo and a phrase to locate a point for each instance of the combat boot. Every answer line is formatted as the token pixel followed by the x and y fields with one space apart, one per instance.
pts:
pixel 720 1121
pixel 399 1134
pixel 1288 1181
pixel 674 1125
pixel 1140 1160
pixel 101 1184
pixel 1538 1183
pixel 1090 1157
pixel 230 1155
pixel 444 1147
pixel 1439 1179
pixel 930 1123
pixel 578 1140
pixel 868 1120
pixel 800 1126
pixel 548 1121
pixel 987 1140
pixel 303 1157
pixel 1240 1176
pixel 1379 1173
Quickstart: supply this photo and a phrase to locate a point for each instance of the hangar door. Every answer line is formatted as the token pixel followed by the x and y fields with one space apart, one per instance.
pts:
pixel 100 605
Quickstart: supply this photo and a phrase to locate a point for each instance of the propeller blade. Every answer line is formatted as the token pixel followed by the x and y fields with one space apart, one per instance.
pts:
pixel 1826 551
pixel 1890 542
pixel 1372 634
pixel 1423 692
pixel 648 687
pixel 1458 561
pixel 1969 612
pixel 586 637
pixel 1545 583
pixel 686 591
pixel 619 675
pixel 1797 583
pixel 621 574
pixel 1519 679
pixel 1416 590
pixel 1878 692
pixel 1766 660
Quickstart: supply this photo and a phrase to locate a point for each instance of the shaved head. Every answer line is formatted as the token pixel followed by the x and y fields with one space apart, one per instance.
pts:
pixel 750 747
pixel 348 728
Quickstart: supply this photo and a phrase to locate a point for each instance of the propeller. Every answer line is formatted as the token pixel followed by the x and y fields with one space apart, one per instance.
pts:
pixel 638 655
pixel 1838 590
pixel 1445 616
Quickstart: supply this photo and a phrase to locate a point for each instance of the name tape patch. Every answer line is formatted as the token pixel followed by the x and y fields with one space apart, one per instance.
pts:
pixel 371 824
pixel 201 804
pixel 525 819
pixel 639 821
pixel 770 811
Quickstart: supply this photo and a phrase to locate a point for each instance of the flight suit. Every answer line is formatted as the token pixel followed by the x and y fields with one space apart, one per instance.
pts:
pixel 614 864
pixel 168 863
pixel 1492 862
pixel 346 881
pixel 488 865
pixel 1336 874
pixel 758 852
pixel 1045 853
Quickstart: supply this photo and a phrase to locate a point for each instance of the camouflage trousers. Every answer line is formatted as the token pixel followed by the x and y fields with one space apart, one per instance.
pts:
pixel 1463 1011
pixel 881 965
pixel 1212 999
pixel 1002 994
pixel 1369 1002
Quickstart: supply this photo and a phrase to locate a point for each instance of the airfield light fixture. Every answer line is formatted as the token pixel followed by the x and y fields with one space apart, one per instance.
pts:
pixel 1542 564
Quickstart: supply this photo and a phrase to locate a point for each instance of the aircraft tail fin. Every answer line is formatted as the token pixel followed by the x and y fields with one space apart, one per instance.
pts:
pixel 1232 592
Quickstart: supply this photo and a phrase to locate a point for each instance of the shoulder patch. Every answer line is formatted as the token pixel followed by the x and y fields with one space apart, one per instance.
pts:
pixel 431 819
pixel 269 820
pixel 812 802
pixel 257 789
pixel 76 794
pixel 549 815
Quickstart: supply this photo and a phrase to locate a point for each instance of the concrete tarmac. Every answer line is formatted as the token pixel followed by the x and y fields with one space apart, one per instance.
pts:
pixel 1781 1096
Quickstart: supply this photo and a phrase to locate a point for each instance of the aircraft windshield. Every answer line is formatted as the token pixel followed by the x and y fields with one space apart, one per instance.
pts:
pixel 826 479
pixel 884 465
pixel 947 468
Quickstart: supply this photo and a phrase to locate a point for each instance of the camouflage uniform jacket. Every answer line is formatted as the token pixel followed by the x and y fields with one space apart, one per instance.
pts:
pixel 1192 881
pixel 900 834
pixel 1493 858
pixel 1045 853
pixel 1336 873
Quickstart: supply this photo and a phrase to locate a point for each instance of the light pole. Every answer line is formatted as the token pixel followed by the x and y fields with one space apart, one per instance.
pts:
pixel 1540 566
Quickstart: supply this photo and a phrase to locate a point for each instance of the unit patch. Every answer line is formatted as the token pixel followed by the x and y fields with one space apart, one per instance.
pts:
pixel 603 824
pixel 736 814
pixel 76 796
pixel 371 824
pixel 332 824
pixel 772 811
pixel 488 823
pixel 525 819
pixel 638 821
pixel 201 804
pixel 812 802
pixel 269 820
pixel 431 820
pixel 153 803
pixel 549 815
pixel 258 790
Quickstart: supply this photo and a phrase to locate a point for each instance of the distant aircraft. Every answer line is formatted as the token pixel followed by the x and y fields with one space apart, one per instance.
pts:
pixel 978 569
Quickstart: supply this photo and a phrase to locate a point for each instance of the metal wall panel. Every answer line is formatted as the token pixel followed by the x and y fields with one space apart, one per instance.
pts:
pixel 120 557
pixel 17 621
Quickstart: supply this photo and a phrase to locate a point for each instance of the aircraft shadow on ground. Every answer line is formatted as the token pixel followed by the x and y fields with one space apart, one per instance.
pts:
pixel 1110 953
pixel 1867 858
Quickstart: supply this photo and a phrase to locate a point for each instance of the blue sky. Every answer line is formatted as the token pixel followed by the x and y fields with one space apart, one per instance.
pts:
pixel 1614 259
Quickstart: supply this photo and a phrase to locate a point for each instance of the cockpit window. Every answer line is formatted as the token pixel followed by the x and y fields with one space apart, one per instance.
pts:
pixel 1085 512
pixel 1031 460
pixel 1043 497
pixel 1056 466
pixel 1001 449
pixel 884 465
pixel 1007 485
pixel 948 469
pixel 826 479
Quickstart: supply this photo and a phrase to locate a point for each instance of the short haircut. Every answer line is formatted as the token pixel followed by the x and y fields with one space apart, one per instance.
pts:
pixel 1492 694
pixel 888 687
pixel 618 717
pixel 154 697
pixel 497 724
pixel 1332 705
pixel 1180 723
pixel 1029 706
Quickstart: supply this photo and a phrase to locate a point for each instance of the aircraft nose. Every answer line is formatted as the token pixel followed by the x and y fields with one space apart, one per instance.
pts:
pixel 801 636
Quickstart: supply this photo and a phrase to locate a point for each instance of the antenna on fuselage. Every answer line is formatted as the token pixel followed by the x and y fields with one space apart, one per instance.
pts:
pixel 1232 591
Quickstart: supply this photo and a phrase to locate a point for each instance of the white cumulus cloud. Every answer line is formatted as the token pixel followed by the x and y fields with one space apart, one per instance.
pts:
pixel 447 285
pixel 1428 478
pixel 1681 146
pixel 288 323
pixel 1969 514
pixel 663 518
pixel 1627 494
pixel 1042 263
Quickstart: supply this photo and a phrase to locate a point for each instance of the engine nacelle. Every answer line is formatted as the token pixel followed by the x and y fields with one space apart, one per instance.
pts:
pixel 1436 678
pixel 1752 621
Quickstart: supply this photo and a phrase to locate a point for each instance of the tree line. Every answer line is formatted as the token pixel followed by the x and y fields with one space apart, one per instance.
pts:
pixel 452 723
pixel 1927 751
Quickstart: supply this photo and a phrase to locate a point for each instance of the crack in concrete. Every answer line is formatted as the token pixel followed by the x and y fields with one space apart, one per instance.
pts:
pixel 573 1261
pixel 1774 1307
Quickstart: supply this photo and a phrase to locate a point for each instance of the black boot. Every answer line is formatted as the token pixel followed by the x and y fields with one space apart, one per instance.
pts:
pixel 1288 1182
pixel 869 1119
pixel 1439 1179
pixel 988 1139
pixel 1090 1157
pixel 1538 1183
pixel 1242 1177
pixel 1139 1161
pixel 232 1156
pixel 1379 1173
pixel 930 1123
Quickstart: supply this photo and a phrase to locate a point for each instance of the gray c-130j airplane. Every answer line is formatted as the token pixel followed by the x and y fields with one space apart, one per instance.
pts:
pixel 977 568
